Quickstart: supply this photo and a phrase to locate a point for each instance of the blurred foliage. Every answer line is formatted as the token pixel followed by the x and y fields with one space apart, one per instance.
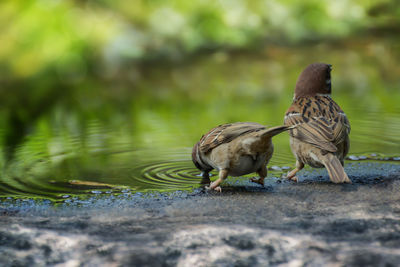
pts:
pixel 81 76
pixel 68 35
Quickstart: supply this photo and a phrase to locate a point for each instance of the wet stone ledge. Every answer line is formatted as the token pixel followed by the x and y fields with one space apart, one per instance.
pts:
pixel 312 222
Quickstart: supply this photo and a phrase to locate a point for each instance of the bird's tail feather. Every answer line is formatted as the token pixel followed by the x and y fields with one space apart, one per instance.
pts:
pixel 335 169
pixel 274 131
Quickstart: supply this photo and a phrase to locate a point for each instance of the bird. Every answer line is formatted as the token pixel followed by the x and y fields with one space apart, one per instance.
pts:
pixel 321 138
pixel 235 149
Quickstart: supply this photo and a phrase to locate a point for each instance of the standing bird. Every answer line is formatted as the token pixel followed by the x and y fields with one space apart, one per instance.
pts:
pixel 235 149
pixel 321 138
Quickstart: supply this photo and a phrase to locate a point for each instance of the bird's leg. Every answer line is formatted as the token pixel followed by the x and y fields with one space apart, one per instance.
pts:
pixel 215 185
pixel 263 173
pixel 205 178
pixel 292 174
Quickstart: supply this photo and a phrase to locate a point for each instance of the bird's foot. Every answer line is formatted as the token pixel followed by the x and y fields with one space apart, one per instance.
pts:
pixel 292 177
pixel 257 181
pixel 216 188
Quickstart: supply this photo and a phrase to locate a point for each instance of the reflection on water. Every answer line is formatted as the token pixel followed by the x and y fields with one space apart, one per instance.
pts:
pixel 148 147
pixel 166 175
pixel 174 174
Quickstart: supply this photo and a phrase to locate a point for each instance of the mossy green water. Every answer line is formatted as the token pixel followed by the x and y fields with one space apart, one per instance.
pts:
pixel 146 144
pixel 121 104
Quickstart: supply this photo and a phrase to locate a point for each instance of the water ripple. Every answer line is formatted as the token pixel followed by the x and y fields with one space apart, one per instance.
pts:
pixel 169 174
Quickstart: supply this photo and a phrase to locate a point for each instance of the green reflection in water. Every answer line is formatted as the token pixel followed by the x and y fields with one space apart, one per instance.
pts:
pixel 145 141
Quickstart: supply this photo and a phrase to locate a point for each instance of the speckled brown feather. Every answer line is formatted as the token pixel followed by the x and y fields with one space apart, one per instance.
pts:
pixel 321 122
pixel 235 149
pixel 226 133
pixel 219 135
pixel 321 136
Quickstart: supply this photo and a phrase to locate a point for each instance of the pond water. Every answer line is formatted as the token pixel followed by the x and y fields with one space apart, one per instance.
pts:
pixel 147 145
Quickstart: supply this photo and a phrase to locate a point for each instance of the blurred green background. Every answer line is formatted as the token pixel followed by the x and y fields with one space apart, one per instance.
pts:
pixel 98 90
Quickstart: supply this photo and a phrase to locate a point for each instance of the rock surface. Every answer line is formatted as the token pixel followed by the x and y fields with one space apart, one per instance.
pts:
pixel 312 222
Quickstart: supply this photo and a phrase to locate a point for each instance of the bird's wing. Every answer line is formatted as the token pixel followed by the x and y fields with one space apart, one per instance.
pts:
pixel 320 122
pixel 340 127
pixel 226 133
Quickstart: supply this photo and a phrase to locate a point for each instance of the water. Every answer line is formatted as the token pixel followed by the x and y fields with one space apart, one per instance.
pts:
pixel 144 144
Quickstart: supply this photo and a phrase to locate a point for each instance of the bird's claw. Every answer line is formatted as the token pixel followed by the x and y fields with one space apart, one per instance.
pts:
pixel 293 178
pixel 257 181
pixel 217 188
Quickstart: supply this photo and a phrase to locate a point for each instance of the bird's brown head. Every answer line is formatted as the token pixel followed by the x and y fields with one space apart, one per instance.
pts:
pixel 315 79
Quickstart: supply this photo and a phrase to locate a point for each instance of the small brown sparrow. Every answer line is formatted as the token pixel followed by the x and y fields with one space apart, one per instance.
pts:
pixel 235 149
pixel 321 138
